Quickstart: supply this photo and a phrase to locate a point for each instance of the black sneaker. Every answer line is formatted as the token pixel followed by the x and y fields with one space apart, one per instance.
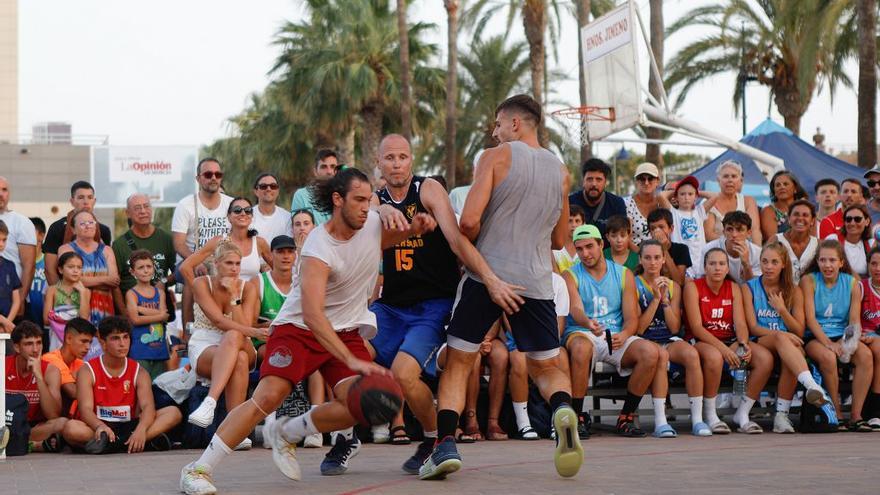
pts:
pixel 423 451
pixel 98 445
pixel 584 424
pixel 161 443
pixel 336 461
pixel 627 427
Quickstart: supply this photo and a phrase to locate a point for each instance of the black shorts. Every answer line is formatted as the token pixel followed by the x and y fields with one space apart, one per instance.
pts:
pixel 123 431
pixel 534 325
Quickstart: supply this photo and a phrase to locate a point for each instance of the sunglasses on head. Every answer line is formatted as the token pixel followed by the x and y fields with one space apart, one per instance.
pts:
pixel 208 175
pixel 849 219
pixel 872 183
pixel 273 186
pixel 238 210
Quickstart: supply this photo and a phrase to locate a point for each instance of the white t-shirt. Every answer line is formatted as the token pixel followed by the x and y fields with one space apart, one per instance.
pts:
pixel 855 255
pixel 457 198
pixel 211 223
pixel 735 264
pixel 270 226
pixel 21 231
pixel 354 268
pixel 687 229
pixel 560 295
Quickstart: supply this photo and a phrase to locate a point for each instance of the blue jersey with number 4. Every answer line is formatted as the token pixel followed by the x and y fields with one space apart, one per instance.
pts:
pixel 832 303
pixel 602 299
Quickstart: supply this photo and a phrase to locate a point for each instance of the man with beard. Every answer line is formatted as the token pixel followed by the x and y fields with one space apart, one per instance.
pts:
pixel 598 204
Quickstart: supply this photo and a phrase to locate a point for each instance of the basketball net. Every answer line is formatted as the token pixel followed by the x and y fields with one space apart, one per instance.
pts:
pixel 576 120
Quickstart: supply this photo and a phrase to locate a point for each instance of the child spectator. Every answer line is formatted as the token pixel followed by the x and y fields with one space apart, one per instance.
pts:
pixel 38 286
pixel 619 233
pixel 677 257
pixel 145 304
pixel 116 409
pixel 688 216
pixel 10 297
pixel 566 257
pixel 78 335
pixel 67 299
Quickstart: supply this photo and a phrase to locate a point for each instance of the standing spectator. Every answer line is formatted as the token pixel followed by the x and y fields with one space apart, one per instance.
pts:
pixel 827 192
pixel 146 308
pixel 10 297
pixel 326 163
pixel 82 197
pixel 731 198
pixel 688 216
pixel 784 190
pixel 852 192
pixel 855 237
pixel 598 204
pixel 67 299
pixel 37 291
pixel 458 195
pixel 643 202
pixel 799 239
pixel 872 178
pixel 270 220
pixel 20 243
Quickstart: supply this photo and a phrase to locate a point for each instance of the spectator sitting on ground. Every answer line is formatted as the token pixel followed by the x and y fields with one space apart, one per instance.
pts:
pixel 10 296
pixel 39 382
pixel 146 308
pixel 78 335
pixel 115 407
pixel 744 256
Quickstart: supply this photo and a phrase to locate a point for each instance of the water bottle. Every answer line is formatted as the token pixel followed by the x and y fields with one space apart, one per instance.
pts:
pixel 740 373
pixel 850 342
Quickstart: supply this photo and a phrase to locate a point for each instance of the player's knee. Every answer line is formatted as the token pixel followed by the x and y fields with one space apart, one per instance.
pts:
pixel 711 360
pixel 57 425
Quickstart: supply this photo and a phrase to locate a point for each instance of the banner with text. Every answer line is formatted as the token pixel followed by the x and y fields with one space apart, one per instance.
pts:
pixel 165 173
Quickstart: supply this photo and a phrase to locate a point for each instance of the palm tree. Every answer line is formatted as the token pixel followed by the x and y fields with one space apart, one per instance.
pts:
pixel 867 133
pixel 405 78
pixel 451 88
pixel 792 47
pixel 583 16
pixel 652 151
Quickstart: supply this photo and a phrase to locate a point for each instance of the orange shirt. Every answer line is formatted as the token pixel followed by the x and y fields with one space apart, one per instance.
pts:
pixel 67 372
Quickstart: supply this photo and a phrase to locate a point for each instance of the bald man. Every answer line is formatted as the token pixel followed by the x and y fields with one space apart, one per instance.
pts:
pixel 21 246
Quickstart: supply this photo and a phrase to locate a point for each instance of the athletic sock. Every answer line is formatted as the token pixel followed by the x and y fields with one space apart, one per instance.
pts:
pixel 577 403
pixel 214 453
pixel 521 410
pixel 630 404
pixel 430 435
pixel 709 411
pixel 696 409
pixel 447 422
pixel 298 428
pixel 806 379
pixel 348 433
pixel 659 412
pixel 559 399
pixel 783 406
pixel 742 412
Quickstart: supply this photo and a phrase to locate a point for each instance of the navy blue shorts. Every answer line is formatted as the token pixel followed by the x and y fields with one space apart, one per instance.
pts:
pixel 533 326
pixel 416 330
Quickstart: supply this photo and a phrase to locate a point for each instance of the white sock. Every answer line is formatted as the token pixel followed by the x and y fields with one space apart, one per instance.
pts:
pixel 298 428
pixel 348 433
pixel 742 412
pixel 214 453
pixel 521 410
pixel 430 434
pixel 709 411
pixel 696 409
pixel 806 379
pixel 782 405
pixel 659 412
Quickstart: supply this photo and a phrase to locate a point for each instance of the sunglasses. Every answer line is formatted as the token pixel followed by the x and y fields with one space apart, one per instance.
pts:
pixel 216 175
pixel 872 183
pixel 273 186
pixel 645 178
pixel 238 210
pixel 87 223
pixel 853 219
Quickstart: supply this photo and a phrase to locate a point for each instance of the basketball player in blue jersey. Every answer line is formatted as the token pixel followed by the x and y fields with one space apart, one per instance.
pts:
pixel 420 277
pixel 516 212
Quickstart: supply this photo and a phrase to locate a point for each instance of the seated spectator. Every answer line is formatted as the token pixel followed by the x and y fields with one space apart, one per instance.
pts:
pixel 688 216
pixel 602 324
pixel 731 199
pixel 677 258
pixel 270 220
pixel 39 382
pixel 10 296
pixel 855 237
pixel 492 354
pixel 660 322
pixel 798 240
pixel 78 335
pixel 784 190
pixel 146 308
pixel 567 256
pixel 219 349
pixel 774 308
pixel 37 292
pixel 116 412
pixel 870 329
pixel 66 300
pixel 743 255
pixel 832 301
pixel 716 323
pixel 852 192
pixel 618 231
pixel 826 192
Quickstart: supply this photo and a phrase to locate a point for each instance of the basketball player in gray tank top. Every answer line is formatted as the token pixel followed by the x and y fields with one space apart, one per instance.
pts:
pixel 516 212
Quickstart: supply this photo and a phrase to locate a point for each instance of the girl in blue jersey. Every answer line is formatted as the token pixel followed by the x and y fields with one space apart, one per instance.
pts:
pixel 660 322
pixel 832 300
pixel 774 309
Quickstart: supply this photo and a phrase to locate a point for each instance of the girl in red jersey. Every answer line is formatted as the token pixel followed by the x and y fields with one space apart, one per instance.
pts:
pixel 870 326
pixel 716 322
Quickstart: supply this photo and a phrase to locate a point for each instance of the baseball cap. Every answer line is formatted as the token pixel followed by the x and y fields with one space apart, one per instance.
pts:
pixel 647 168
pixel 689 180
pixel 586 231
pixel 875 170
pixel 283 241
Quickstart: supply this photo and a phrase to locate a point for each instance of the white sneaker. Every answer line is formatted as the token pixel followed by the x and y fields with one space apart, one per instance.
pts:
pixel 267 424
pixel 816 397
pixel 283 452
pixel 196 480
pixel 203 416
pixel 314 441
pixel 381 433
pixel 782 423
pixel 245 444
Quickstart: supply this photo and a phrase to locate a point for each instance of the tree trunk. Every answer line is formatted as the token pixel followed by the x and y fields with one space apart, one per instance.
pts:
pixel 583 17
pixel 867 120
pixel 451 88
pixel 345 147
pixel 535 24
pixel 405 76
pixel 371 134
pixel 788 103
pixel 652 151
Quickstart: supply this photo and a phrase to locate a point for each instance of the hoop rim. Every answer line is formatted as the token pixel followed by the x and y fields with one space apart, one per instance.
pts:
pixel 587 112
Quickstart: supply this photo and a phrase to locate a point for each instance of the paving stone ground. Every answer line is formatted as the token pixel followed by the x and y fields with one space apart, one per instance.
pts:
pixel 844 463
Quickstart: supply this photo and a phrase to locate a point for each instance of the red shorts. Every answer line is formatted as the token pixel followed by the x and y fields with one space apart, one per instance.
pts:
pixel 293 353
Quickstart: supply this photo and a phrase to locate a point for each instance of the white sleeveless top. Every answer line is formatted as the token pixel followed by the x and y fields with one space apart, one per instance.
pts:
pixel 740 206
pixel 799 264
pixel 250 264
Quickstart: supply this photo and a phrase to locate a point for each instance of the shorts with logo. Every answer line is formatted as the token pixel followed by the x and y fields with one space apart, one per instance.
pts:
pixel 605 355
pixel 416 330
pixel 294 353
pixel 533 326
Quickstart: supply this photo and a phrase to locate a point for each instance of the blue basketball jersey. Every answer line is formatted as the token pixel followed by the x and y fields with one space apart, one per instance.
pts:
pixel 767 316
pixel 602 299
pixel 832 304
pixel 657 330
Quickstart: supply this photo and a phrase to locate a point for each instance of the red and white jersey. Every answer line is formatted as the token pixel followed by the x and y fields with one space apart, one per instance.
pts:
pixel 870 307
pixel 25 385
pixel 716 310
pixel 115 396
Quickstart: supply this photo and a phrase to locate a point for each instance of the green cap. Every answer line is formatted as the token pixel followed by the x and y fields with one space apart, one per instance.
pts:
pixel 586 231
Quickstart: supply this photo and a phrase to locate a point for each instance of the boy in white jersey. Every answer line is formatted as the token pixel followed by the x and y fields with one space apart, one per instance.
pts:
pixel 688 216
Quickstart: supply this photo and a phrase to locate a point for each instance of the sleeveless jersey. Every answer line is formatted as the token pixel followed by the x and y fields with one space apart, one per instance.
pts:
pixel 716 310
pixel 115 396
pixel 25 385
pixel 832 304
pixel 422 267
pixel 148 341
pixel 602 299
pixel 870 307
pixel 271 298
pixel 765 314
pixel 657 330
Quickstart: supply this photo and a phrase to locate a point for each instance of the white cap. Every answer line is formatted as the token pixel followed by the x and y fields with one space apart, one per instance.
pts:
pixel 647 168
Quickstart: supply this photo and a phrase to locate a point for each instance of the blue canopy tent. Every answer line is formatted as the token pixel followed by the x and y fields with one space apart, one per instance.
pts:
pixel 802 159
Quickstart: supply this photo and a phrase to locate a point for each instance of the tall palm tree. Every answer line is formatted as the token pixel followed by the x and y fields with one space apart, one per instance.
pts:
pixel 794 47
pixel 655 85
pixel 867 126
pixel 534 16
pixel 451 88
pixel 583 16
pixel 405 77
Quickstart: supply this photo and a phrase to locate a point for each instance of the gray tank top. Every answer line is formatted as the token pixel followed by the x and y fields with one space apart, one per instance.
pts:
pixel 519 219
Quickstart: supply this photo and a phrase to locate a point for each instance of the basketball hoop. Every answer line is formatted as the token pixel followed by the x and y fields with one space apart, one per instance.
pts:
pixel 576 119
